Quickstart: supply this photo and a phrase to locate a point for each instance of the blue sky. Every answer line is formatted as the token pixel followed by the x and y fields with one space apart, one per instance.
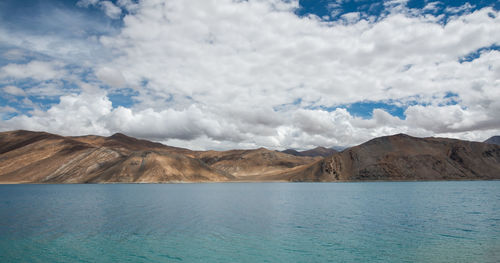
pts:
pixel 244 74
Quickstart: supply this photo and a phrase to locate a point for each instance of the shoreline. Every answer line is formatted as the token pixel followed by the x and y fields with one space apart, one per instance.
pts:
pixel 253 181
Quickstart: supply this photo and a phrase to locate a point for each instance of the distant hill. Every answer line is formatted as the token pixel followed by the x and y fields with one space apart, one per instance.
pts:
pixel 402 157
pixel 253 164
pixel 318 151
pixel 493 140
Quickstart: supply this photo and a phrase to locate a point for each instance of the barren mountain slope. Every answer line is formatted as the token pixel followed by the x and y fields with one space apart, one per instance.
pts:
pixel 402 157
pixel 252 164
pixel 128 144
pixel 38 157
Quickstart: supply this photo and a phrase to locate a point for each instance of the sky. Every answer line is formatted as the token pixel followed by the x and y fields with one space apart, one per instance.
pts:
pixel 225 74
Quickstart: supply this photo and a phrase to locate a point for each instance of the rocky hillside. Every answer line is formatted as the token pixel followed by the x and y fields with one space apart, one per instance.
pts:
pixel 402 157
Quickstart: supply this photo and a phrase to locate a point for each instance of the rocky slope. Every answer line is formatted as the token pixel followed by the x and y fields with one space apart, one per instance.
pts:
pixel 493 140
pixel 38 157
pixel 318 151
pixel 402 157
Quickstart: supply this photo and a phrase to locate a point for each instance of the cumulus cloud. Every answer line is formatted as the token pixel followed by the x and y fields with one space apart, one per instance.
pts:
pixel 75 114
pixel 243 74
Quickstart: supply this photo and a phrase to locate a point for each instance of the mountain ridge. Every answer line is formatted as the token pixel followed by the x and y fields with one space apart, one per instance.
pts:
pixel 318 151
pixel 402 157
pixel 40 157
pixel 493 140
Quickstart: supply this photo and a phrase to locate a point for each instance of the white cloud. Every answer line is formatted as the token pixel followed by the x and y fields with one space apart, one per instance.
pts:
pixel 87 3
pixel 75 114
pixel 242 74
pixel 14 54
pixel 352 17
pixel 433 6
pixel 467 7
pixel 110 9
pixel 111 77
pixel 129 5
pixel 13 90
pixel 37 70
pixel 7 109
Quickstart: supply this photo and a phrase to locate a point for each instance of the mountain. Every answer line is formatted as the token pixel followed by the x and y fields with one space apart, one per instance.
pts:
pixel 127 143
pixel 39 157
pixel 493 140
pixel 318 151
pixel 252 164
pixel 402 157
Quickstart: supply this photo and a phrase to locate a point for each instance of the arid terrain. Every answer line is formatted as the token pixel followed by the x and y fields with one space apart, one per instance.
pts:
pixel 39 157
pixel 402 157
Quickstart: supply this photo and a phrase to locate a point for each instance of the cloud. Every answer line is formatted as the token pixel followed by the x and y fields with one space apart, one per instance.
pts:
pixel 244 74
pixel 75 114
pixel 467 7
pixel 110 9
pixel 352 17
pixel 87 3
pixel 433 6
pixel 111 77
pixel 37 70
pixel 14 54
pixel 13 90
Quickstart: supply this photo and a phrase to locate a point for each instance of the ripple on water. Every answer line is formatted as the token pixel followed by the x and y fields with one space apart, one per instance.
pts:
pixel 254 222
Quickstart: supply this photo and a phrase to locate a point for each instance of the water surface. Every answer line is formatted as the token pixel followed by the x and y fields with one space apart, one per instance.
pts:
pixel 251 222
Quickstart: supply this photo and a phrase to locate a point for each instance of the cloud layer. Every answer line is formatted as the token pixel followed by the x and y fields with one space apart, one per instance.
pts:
pixel 242 74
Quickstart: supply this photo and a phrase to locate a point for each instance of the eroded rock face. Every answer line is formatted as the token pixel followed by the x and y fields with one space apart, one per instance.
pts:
pixel 402 157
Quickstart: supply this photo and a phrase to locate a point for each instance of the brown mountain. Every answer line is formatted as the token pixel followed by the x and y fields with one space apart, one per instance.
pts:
pixel 252 164
pixel 318 151
pixel 493 140
pixel 39 157
pixel 402 157
pixel 128 144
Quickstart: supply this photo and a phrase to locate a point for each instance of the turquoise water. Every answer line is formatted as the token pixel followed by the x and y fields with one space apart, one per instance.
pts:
pixel 252 222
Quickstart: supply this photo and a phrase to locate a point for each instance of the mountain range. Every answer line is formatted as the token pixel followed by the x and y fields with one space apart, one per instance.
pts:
pixel 40 157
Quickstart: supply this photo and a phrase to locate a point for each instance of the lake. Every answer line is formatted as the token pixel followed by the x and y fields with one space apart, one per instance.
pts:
pixel 252 222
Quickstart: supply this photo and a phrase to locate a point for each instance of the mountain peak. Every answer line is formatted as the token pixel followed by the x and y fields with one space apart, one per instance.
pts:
pixel 318 151
pixel 493 140
pixel 119 135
